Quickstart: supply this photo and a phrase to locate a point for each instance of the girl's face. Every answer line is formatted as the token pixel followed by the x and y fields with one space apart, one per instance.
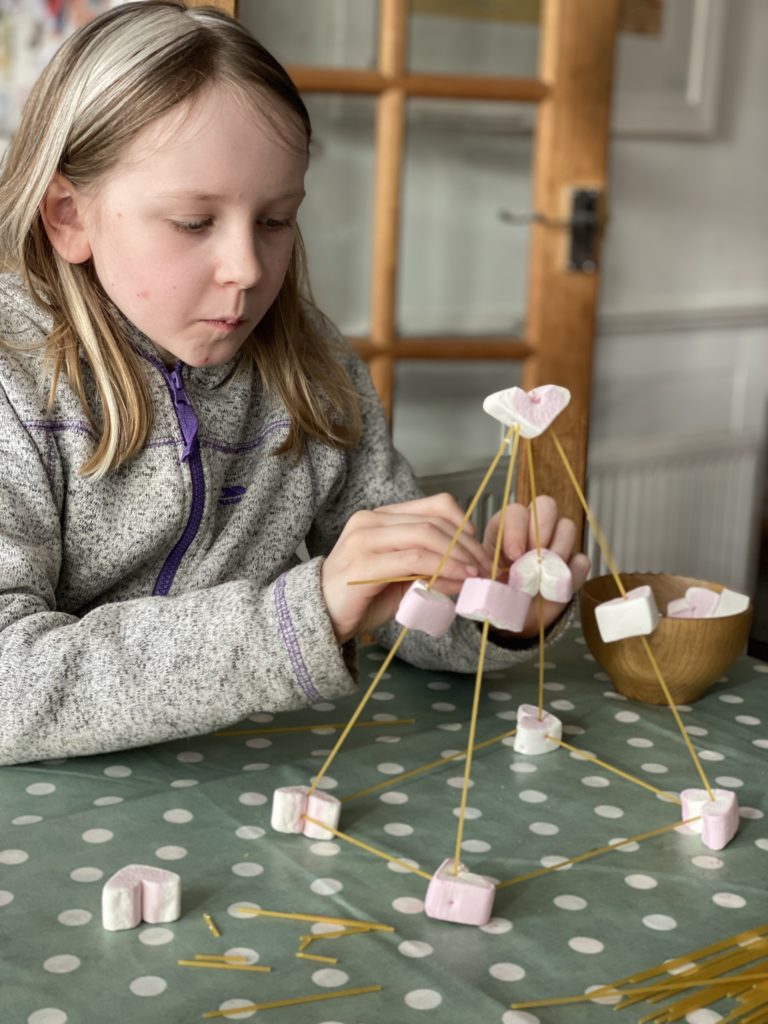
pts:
pixel 192 232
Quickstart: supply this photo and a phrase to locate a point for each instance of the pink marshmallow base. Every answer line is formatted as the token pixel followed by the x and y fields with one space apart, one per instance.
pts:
pixel 290 805
pixel 139 892
pixel 503 606
pixel 532 731
pixel 698 603
pixel 426 610
pixel 461 898
pixel 322 807
pixel 719 817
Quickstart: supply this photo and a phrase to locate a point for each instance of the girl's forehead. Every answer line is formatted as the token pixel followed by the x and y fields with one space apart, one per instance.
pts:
pixel 213 122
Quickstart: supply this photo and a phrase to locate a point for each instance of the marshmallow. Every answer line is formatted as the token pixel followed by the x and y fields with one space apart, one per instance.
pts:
pixel 532 731
pixel 698 603
pixel 139 893
pixel 533 410
pixel 730 603
pixel 719 821
pixel 542 572
pixel 633 615
pixel 425 609
pixel 503 606
pixel 322 807
pixel 289 805
pixel 462 898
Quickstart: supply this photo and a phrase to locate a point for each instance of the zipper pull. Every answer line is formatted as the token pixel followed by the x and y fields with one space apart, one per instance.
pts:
pixel 187 418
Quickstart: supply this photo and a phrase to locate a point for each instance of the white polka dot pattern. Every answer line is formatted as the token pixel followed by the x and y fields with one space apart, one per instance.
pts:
pixel 202 807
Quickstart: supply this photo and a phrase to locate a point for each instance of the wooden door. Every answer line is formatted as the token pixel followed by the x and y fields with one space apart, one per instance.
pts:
pixel 572 94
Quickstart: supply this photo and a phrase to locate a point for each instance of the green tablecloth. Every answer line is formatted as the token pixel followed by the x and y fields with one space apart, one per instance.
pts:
pixel 201 807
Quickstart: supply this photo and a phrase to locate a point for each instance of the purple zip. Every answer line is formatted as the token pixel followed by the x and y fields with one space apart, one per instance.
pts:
pixel 188 421
pixel 189 424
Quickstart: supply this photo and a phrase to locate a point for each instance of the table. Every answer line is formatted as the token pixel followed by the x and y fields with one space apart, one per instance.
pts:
pixel 201 807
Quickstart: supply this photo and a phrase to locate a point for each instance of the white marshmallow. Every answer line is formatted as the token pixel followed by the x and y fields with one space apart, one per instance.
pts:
pixel 325 808
pixel 719 820
pixel 633 615
pixel 542 572
pixel 139 893
pixel 426 610
pixel 289 805
pixel 532 731
pixel 730 603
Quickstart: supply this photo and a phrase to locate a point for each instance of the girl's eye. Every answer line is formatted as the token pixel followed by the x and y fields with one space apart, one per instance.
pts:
pixel 274 224
pixel 191 226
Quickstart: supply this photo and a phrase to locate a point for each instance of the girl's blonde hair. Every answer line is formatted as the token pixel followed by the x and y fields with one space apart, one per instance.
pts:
pixel 107 82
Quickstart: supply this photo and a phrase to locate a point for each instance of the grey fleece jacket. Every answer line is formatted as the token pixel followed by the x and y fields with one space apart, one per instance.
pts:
pixel 166 600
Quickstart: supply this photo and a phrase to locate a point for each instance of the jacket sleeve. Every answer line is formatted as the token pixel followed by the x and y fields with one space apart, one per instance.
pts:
pixel 377 474
pixel 146 670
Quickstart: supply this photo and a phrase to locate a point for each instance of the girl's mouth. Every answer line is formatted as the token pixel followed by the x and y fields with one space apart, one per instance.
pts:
pixel 226 324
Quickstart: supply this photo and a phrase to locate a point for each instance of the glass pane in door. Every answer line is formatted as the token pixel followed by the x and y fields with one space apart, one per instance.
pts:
pixel 463 262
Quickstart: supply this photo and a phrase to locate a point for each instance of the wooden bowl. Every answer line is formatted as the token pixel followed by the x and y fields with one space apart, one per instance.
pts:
pixel 691 653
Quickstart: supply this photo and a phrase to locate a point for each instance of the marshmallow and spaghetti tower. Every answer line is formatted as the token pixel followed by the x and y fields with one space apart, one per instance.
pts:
pixel 454 893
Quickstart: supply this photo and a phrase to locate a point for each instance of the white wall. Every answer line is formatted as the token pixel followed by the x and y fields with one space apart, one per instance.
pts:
pixel 685 274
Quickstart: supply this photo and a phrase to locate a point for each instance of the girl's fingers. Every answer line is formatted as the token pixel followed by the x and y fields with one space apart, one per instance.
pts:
pixel 419 562
pixel 429 537
pixel 579 566
pixel 563 540
pixel 546 514
pixel 520 532
pixel 436 534
pixel 442 506
pixel 515 531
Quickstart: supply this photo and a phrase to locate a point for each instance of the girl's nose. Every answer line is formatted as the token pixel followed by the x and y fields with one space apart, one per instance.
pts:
pixel 239 261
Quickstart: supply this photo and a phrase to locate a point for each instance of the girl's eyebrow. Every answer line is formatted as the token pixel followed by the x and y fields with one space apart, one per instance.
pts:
pixel 194 194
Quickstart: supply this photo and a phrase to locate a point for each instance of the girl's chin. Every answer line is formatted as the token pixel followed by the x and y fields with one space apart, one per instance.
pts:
pixel 216 355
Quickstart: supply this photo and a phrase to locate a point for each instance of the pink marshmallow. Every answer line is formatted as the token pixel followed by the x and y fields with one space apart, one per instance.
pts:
pixel 325 808
pixel 633 615
pixel 426 610
pixel 462 898
pixel 533 411
pixel 532 731
pixel 542 571
pixel 719 817
pixel 501 605
pixel 698 603
pixel 139 893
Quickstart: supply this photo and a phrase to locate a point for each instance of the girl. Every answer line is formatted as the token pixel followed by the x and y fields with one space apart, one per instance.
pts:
pixel 175 419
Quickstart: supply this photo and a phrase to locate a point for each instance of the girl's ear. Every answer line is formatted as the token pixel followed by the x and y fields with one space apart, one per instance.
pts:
pixel 63 221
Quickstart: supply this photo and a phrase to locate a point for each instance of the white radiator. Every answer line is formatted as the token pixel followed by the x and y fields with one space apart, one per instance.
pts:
pixel 687 506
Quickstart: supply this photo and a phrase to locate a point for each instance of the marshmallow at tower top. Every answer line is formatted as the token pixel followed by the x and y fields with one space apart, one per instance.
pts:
pixel 533 411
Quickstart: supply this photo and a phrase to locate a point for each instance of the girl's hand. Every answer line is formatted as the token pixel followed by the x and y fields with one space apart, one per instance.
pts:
pixel 559 535
pixel 396 540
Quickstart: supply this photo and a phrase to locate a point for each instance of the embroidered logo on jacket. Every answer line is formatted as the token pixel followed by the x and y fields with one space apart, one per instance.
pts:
pixel 231 495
